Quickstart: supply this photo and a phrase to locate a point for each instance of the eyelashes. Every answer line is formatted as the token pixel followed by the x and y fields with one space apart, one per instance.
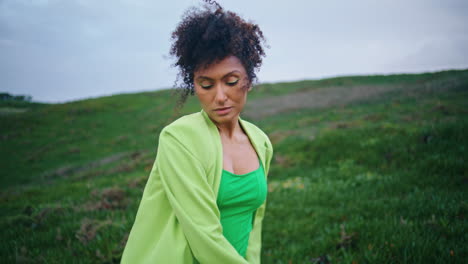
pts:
pixel 233 83
pixel 208 86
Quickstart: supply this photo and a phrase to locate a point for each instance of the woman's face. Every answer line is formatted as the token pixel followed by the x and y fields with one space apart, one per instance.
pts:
pixel 222 89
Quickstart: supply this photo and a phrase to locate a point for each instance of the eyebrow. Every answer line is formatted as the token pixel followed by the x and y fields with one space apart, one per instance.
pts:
pixel 227 74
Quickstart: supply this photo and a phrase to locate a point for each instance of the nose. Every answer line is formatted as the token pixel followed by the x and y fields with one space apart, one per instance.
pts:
pixel 220 96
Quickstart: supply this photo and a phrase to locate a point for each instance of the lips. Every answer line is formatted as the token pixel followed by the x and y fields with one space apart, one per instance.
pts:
pixel 223 110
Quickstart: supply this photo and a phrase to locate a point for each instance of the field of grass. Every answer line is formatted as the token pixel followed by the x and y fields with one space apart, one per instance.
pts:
pixel 358 179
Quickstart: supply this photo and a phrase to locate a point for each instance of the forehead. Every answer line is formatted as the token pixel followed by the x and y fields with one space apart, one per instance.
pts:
pixel 218 69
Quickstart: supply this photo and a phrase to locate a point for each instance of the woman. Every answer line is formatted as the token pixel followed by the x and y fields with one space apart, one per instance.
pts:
pixel 205 198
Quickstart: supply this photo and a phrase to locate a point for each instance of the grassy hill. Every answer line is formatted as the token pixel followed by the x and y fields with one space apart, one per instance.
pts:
pixel 367 169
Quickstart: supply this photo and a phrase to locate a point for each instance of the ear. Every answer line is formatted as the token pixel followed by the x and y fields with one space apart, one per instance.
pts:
pixel 250 88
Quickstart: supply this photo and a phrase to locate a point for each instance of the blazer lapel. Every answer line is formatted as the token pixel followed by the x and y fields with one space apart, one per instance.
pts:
pixel 258 143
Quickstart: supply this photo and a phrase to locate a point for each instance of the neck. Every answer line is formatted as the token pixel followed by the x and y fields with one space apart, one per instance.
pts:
pixel 229 129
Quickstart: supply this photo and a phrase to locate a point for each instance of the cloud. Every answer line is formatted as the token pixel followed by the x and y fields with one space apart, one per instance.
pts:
pixel 435 55
pixel 60 50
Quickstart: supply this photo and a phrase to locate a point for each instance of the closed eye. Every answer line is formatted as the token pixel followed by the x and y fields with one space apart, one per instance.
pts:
pixel 206 86
pixel 233 83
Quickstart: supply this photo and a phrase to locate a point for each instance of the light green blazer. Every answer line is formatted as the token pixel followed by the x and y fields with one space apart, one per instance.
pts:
pixel 178 221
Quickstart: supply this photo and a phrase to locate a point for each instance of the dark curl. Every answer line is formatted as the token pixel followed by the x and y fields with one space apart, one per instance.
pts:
pixel 210 35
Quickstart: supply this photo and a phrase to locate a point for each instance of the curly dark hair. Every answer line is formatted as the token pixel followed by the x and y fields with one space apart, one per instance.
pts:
pixel 210 35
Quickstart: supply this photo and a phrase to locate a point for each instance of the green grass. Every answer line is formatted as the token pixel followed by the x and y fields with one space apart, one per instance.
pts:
pixel 382 180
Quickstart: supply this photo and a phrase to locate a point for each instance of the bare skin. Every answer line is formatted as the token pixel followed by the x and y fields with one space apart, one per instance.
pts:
pixel 222 91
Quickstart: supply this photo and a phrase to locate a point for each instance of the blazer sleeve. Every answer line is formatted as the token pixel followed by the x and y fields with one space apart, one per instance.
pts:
pixel 185 183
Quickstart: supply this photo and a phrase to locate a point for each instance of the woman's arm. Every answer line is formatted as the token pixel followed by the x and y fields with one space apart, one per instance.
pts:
pixel 193 201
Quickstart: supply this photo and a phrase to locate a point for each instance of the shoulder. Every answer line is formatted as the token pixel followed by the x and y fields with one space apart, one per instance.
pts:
pixel 186 126
pixel 184 122
pixel 190 131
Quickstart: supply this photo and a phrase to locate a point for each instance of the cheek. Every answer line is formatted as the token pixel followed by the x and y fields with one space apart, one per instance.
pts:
pixel 203 98
pixel 241 97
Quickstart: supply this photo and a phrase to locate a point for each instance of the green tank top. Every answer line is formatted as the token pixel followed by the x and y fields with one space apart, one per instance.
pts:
pixel 239 196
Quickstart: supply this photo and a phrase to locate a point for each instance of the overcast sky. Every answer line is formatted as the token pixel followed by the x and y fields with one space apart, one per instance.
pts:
pixel 63 50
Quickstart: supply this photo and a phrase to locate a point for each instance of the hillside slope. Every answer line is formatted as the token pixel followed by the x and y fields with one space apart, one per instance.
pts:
pixel 367 169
